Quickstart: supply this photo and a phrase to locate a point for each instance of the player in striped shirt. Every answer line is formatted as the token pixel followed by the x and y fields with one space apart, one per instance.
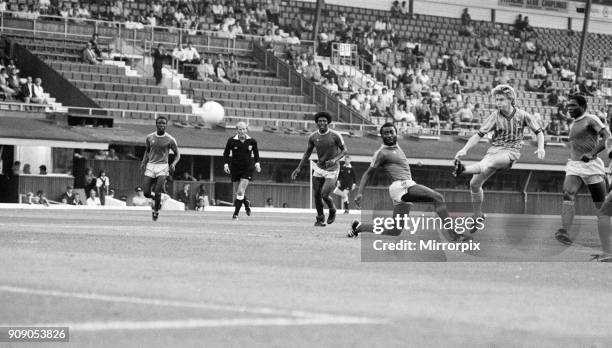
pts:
pixel 330 149
pixel 155 163
pixel 587 137
pixel 507 124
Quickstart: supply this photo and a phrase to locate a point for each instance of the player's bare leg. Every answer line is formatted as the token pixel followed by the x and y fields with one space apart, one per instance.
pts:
pixel 240 189
pixel 603 216
pixel 398 209
pixel 317 186
pixel 476 190
pixel 571 185
pixel 158 189
pixel 326 190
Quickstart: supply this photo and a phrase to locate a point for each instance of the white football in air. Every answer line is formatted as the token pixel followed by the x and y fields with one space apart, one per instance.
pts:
pixel 212 112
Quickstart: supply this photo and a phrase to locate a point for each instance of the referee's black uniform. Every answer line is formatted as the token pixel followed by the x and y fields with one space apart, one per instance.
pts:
pixel 346 177
pixel 244 156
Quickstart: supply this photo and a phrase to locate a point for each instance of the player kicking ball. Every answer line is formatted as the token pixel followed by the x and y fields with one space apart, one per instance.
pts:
pixel 155 163
pixel 330 149
pixel 245 158
pixel 507 124
pixel 588 136
pixel 403 191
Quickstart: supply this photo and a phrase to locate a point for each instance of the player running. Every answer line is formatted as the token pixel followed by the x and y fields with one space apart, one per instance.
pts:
pixel 330 149
pixel 587 137
pixel 346 183
pixel 155 162
pixel 507 124
pixel 403 191
pixel 245 158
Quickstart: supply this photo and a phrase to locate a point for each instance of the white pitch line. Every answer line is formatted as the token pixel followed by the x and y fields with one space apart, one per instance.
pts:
pixel 186 304
pixel 198 323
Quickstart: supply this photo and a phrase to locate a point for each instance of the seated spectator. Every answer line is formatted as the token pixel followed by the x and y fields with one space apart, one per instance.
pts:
pixel 331 86
pixel 68 197
pixel 380 25
pixel 27 169
pixel 202 201
pixel 557 127
pixel 567 74
pixel 89 56
pixel 465 113
pixel 206 71
pixel 132 24
pixel 546 86
pixel 312 72
pixel 492 43
pixel 484 59
pixel 40 198
pixel 112 155
pixel 9 93
pixel 220 73
pixel 396 10
pixel 553 98
pixel 233 74
pixel 93 199
pixel 140 200
pixel 38 95
pixel 539 71
pixel 344 82
pixel 42 170
pixel 27 90
pixel 506 61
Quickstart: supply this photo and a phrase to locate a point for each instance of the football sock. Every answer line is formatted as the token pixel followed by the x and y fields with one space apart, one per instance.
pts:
pixel 567 214
pixel 477 199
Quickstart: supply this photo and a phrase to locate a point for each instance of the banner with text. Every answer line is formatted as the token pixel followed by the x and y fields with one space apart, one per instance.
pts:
pixel 545 5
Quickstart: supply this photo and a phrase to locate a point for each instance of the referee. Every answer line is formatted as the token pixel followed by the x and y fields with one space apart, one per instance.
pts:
pixel 244 158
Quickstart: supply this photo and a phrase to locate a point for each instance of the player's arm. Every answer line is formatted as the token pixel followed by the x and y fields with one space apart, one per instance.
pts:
pixel 362 183
pixel 177 156
pixel 604 135
pixel 536 128
pixel 145 157
pixel 226 154
pixel 305 158
pixel 487 126
pixel 256 156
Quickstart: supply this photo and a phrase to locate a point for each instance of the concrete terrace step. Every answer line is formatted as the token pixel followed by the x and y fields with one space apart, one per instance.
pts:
pixel 235 87
pixel 143 106
pixel 212 94
pixel 118 87
pixel 265 106
pixel 131 96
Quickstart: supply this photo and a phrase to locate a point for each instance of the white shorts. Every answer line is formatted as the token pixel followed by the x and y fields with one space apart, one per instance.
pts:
pixel 398 189
pixel 322 173
pixel 591 172
pixel 499 158
pixel 154 170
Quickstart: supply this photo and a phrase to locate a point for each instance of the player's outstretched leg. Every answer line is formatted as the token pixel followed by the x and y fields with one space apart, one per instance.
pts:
pixel 160 183
pixel 477 194
pixel 571 185
pixel 326 190
pixel 598 193
pixel 420 193
pixel 317 186
pixel 357 227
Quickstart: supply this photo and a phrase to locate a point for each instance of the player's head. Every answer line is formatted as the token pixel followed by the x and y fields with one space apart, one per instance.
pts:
pixel 241 130
pixel 388 132
pixel 322 119
pixel 161 123
pixel 576 105
pixel 505 97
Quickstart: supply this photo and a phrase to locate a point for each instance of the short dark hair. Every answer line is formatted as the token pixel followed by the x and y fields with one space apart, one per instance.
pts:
pixel 161 118
pixel 581 100
pixel 320 114
pixel 387 124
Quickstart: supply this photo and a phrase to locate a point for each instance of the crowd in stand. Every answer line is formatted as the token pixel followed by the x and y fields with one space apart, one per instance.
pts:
pixel 405 90
pixel 13 87
pixel 229 17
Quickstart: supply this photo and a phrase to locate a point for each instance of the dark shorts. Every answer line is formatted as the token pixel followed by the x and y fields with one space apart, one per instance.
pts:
pixel 238 173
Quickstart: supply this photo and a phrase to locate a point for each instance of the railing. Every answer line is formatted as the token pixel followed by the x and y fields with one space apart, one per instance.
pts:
pixel 318 94
pixel 22 107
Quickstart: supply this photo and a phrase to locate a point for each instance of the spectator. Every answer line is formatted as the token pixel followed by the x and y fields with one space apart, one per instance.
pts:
pixel 269 203
pixel 9 93
pixel 15 169
pixel 27 90
pixel 396 9
pixel 546 86
pixel 140 200
pixel 492 43
pixel 539 71
pixel 41 198
pixel 185 197
pixel 233 74
pixel 464 114
pixel 112 155
pixel 27 169
pixel 89 56
pixel 202 201
pixel 102 186
pixel 93 200
pixel 465 17
pixel 553 98
pixel 77 199
pixel 206 71
pixel 42 170
pixel 506 61
pixel 159 56
pixel 38 95
pixel 68 197
pixel 220 73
